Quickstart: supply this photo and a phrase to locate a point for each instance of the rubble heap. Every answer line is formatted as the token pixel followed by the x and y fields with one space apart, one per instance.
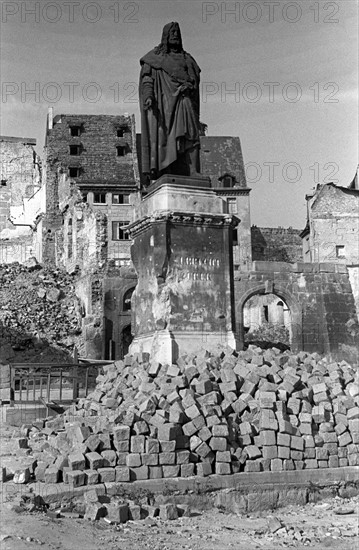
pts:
pixel 39 309
pixel 250 411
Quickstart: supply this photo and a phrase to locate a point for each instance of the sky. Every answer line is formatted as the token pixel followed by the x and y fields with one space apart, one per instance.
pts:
pixel 281 75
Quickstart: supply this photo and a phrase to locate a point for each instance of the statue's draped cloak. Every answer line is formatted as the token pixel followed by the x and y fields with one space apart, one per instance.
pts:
pixel 172 125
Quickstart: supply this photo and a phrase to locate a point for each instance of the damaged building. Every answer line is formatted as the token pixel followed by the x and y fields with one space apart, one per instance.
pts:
pixel 89 191
pixel 21 198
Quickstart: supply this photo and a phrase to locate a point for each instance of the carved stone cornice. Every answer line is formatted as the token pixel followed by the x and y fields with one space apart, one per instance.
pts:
pixel 183 218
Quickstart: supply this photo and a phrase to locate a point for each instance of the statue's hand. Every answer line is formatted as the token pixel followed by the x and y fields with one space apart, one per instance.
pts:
pixel 148 103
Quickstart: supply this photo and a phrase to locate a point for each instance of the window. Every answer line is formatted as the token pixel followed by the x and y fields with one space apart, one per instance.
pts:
pixel 340 251
pixel 121 199
pixel 119 234
pixel 69 239
pixel 127 299
pixel 232 205
pixel 121 150
pixel 3 183
pixel 74 171
pixel 122 131
pixel 74 150
pixel 75 131
pixel 227 181
pixel 84 197
pixel 99 198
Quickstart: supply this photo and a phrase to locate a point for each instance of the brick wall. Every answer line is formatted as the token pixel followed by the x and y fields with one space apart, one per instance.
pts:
pixel 98 163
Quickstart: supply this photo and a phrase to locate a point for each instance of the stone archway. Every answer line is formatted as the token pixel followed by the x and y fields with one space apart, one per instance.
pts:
pixel 296 343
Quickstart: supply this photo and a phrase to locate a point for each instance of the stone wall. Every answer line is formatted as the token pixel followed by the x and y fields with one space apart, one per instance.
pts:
pixel 276 244
pixel 20 182
pixel 320 299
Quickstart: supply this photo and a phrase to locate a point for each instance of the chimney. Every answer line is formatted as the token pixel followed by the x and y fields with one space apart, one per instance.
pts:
pixel 50 118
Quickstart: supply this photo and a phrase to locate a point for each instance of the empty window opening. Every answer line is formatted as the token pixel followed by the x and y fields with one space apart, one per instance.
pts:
pixel 99 198
pixel 3 183
pixel 122 131
pixel 119 234
pixel 75 150
pixel 69 239
pixel 74 171
pixel 75 131
pixel 121 198
pixel 340 251
pixel 127 299
pixel 121 150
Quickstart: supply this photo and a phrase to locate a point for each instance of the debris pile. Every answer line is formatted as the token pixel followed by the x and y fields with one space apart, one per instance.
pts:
pixel 39 309
pixel 254 410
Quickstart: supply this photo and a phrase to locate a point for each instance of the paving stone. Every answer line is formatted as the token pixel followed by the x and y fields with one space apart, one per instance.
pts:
pixel 223 468
pixel 95 511
pixel 77 461
pixel 75 478
pixel 170 471
pixel 94 460
pixel 91 477
pixel 155 472
pixel 187 470
pixel 117 513
pixel 168 512
pixel 106 474
pixel 139 473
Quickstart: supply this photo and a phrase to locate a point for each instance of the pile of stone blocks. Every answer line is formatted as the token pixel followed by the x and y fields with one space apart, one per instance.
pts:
pixel 254 410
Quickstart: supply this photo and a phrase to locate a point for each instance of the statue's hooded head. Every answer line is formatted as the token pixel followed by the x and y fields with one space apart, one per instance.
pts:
pixel 171 35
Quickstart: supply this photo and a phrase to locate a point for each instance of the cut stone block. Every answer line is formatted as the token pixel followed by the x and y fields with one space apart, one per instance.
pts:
pixel 95 511
pixel 75 478
pixel 218 443
pixel 94 460
pixel 170 471
pixel 139 473
pixel 187 470
pixel 77 461
pixel 107 475
pixel 168 512
pixel 223 468
pixel 91 477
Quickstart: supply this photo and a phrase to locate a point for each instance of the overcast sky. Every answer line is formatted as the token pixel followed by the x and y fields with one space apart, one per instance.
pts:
pixel 291 67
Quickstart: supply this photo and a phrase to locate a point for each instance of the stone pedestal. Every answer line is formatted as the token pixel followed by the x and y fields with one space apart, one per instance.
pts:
pixel 182 253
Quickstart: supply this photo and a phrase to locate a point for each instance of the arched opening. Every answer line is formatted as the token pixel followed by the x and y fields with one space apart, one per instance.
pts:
pixel 126 339
pixel 126 306
pixel 269 320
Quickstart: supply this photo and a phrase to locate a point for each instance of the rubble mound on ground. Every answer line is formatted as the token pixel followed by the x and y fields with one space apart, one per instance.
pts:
pixel 40 317
pixel 254 410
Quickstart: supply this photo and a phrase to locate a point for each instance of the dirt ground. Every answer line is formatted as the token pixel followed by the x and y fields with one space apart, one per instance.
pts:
pixel 330 523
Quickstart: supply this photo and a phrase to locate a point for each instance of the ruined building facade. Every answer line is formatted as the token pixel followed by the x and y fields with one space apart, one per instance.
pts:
pixel 21 198
pixel 91 187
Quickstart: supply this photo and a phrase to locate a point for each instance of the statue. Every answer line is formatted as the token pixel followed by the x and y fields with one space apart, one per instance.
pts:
pixel 169 103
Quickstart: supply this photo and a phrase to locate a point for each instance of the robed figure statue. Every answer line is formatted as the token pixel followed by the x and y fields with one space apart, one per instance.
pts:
pixel 169 103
